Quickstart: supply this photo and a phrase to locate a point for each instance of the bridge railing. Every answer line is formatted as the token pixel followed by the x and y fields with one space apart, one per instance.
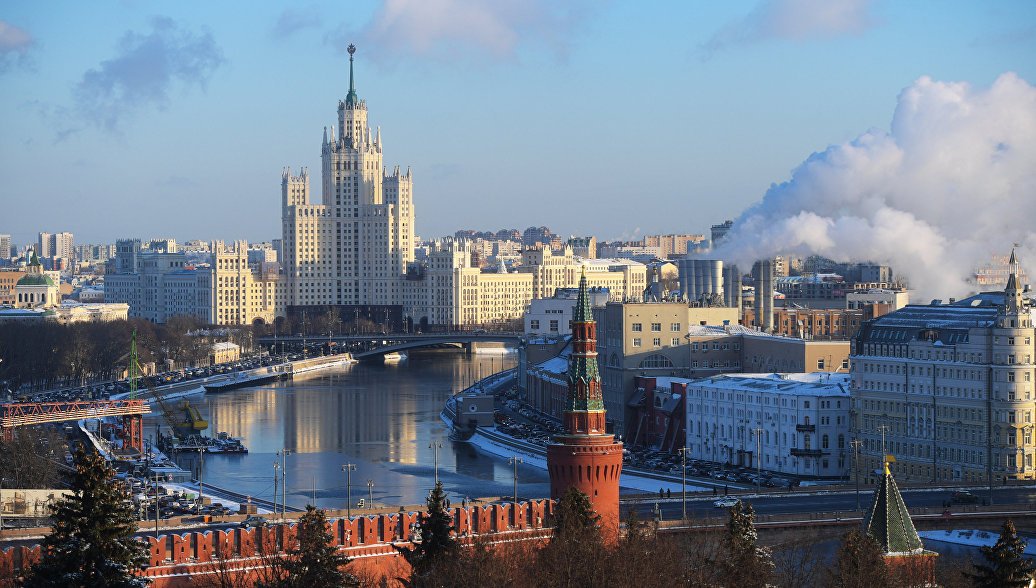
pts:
pixel 34 413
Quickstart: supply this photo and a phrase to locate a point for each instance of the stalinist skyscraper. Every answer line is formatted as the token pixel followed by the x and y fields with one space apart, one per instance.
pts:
pixel 353 247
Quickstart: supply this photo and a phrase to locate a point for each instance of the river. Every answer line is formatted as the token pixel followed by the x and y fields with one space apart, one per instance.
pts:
pixel 380 417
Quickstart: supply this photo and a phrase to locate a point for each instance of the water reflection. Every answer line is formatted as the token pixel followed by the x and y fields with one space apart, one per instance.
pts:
pixel 379 417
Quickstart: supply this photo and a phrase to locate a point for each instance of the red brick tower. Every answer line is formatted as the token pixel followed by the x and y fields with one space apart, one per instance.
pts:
pixel 584 456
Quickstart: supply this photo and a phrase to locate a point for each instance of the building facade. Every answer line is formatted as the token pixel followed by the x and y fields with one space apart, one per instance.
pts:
pixel 948 389
pixel 791 423
pixel 353 248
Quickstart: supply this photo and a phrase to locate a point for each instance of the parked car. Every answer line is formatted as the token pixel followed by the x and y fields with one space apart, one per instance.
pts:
pixel 726 502
pixel 254 521
pixel 964 497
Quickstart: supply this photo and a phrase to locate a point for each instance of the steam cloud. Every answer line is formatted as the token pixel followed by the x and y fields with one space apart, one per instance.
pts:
pixel 951 183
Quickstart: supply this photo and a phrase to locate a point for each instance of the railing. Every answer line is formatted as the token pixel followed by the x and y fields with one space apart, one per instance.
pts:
pixel 806 452
pixel 34 413
pixel 806 428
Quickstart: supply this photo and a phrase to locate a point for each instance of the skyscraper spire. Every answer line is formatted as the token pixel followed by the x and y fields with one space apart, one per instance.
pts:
pixel 350 98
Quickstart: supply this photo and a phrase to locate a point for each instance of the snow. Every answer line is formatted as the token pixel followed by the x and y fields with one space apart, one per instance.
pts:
pixel 970 537
pixel 192 491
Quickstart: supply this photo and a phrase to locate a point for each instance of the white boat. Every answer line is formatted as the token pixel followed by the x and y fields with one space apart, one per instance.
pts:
pixel 394 357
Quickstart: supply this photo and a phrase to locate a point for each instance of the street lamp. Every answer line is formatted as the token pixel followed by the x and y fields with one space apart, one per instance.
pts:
pixel 349 469
pixel 201 479
pixel 370 490
pixel 515 460
pixel 435 446
pixel 683 455
pixel 758 456
pixel 855 444
pixel 276 475
pixel 284 482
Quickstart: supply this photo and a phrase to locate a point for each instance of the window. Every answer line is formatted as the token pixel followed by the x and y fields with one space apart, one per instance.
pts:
pixel 657 360
pixel 676 342
pixel 820 364
pixel 534 324
pixel 657 342
pixel 823 442
pixel 637 327
pixel 554 325
pixel 656 327
pixel 675 327
pixel 845 364
pixel 636 342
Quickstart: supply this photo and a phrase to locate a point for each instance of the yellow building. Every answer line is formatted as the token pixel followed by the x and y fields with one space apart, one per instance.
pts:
pixel 240 294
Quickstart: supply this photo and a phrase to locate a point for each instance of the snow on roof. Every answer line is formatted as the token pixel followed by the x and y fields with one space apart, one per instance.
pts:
pixel 811 384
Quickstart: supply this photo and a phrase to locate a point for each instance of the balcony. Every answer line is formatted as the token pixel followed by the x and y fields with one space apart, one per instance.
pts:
pixel 806 428
pixel 805 452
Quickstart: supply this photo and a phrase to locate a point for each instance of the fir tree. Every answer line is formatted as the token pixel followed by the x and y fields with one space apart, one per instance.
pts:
pixel 1005 566
pixel 91 541
pixel 315 562
pixel 437 540
pixel 859 563
pixel 574 517
pixel 746 563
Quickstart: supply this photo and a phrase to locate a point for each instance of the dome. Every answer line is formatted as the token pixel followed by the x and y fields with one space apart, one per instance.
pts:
pixel 36 280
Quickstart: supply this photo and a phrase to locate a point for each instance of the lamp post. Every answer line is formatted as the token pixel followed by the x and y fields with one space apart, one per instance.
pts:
pixel 683 455
pixel 370 490
pixel 515 460
pixel 284 482
pixel 758 456
pixel 349 469
pixel 435 446
pixel 855 444
pixel 276 476
pixel 201 479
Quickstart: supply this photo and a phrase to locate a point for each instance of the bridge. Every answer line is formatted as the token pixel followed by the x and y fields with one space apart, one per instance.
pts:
pixel 377 345
pixel 21 414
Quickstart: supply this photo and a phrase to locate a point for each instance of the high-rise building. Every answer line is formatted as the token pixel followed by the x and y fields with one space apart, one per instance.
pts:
pixel 585 456
pixel 5 246
pixel 948 389
pixel 353 248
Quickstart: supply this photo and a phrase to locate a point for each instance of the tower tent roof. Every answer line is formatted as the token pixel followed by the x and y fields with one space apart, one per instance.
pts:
pixel 888 521
pixel 583 314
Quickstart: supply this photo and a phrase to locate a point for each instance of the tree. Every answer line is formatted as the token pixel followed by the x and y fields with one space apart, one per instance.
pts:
pixel 436 541
pixel 91 541
pixel 746 564
pixel 859 563
pixel 575 555
pixel 314 562
pixel 1004 565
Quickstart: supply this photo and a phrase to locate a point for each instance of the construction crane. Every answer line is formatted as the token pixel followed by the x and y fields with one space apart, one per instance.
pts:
pixel 191 422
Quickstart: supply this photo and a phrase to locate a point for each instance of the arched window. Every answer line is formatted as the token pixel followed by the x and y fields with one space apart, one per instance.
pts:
pixel 841 441
pixel 613 360
pixel 823 442
pixel 656 360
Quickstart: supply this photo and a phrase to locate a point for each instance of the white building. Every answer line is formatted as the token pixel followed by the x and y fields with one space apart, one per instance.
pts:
pixel 802 422
pixel 553 316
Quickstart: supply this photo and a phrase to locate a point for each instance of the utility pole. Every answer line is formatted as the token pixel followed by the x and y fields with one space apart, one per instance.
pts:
pixel 758 456
pixel 370 489
pixel 349 469
pixel 515 460
pixel 276 479
pixel 855 444
pixel 683 455
pixel 284 482
pixel 435 446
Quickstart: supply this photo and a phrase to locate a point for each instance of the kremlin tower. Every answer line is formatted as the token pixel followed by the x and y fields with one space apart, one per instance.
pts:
pixel 584 456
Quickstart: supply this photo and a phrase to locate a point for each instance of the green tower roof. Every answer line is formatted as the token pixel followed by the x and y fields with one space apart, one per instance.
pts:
pixel 35 280
pixel 351 98
pixel 889 522
pixel 582 312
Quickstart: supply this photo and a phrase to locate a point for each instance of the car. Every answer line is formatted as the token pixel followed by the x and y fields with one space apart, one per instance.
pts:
pixel 254 521
pixel 726 502
pixel 963 497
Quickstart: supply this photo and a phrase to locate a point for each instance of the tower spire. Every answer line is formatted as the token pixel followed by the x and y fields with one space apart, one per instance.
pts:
pixel 350 98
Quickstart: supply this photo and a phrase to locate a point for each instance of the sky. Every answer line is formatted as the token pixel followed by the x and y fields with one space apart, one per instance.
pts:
pixel 616 119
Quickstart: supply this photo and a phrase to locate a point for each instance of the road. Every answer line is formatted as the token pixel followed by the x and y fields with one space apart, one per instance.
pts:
pixel 836 501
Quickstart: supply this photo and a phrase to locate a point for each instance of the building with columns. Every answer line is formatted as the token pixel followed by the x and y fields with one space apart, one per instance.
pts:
pixel 948 389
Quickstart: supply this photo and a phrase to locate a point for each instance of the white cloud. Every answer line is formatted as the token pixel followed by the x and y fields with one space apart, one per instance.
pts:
pixel 452 28
pixel 949 184
pixel 15 43
pixel 795 19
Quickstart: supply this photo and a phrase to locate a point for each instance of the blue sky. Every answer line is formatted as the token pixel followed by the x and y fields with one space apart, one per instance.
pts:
pixel 617 119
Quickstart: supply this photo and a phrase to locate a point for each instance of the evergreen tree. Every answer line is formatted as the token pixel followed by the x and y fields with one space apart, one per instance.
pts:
pixel 860 563
pixel 574 516
pixel 91 542
pixel 437 540
pixel 315 562
pixel 1005 567
pixel 746 564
